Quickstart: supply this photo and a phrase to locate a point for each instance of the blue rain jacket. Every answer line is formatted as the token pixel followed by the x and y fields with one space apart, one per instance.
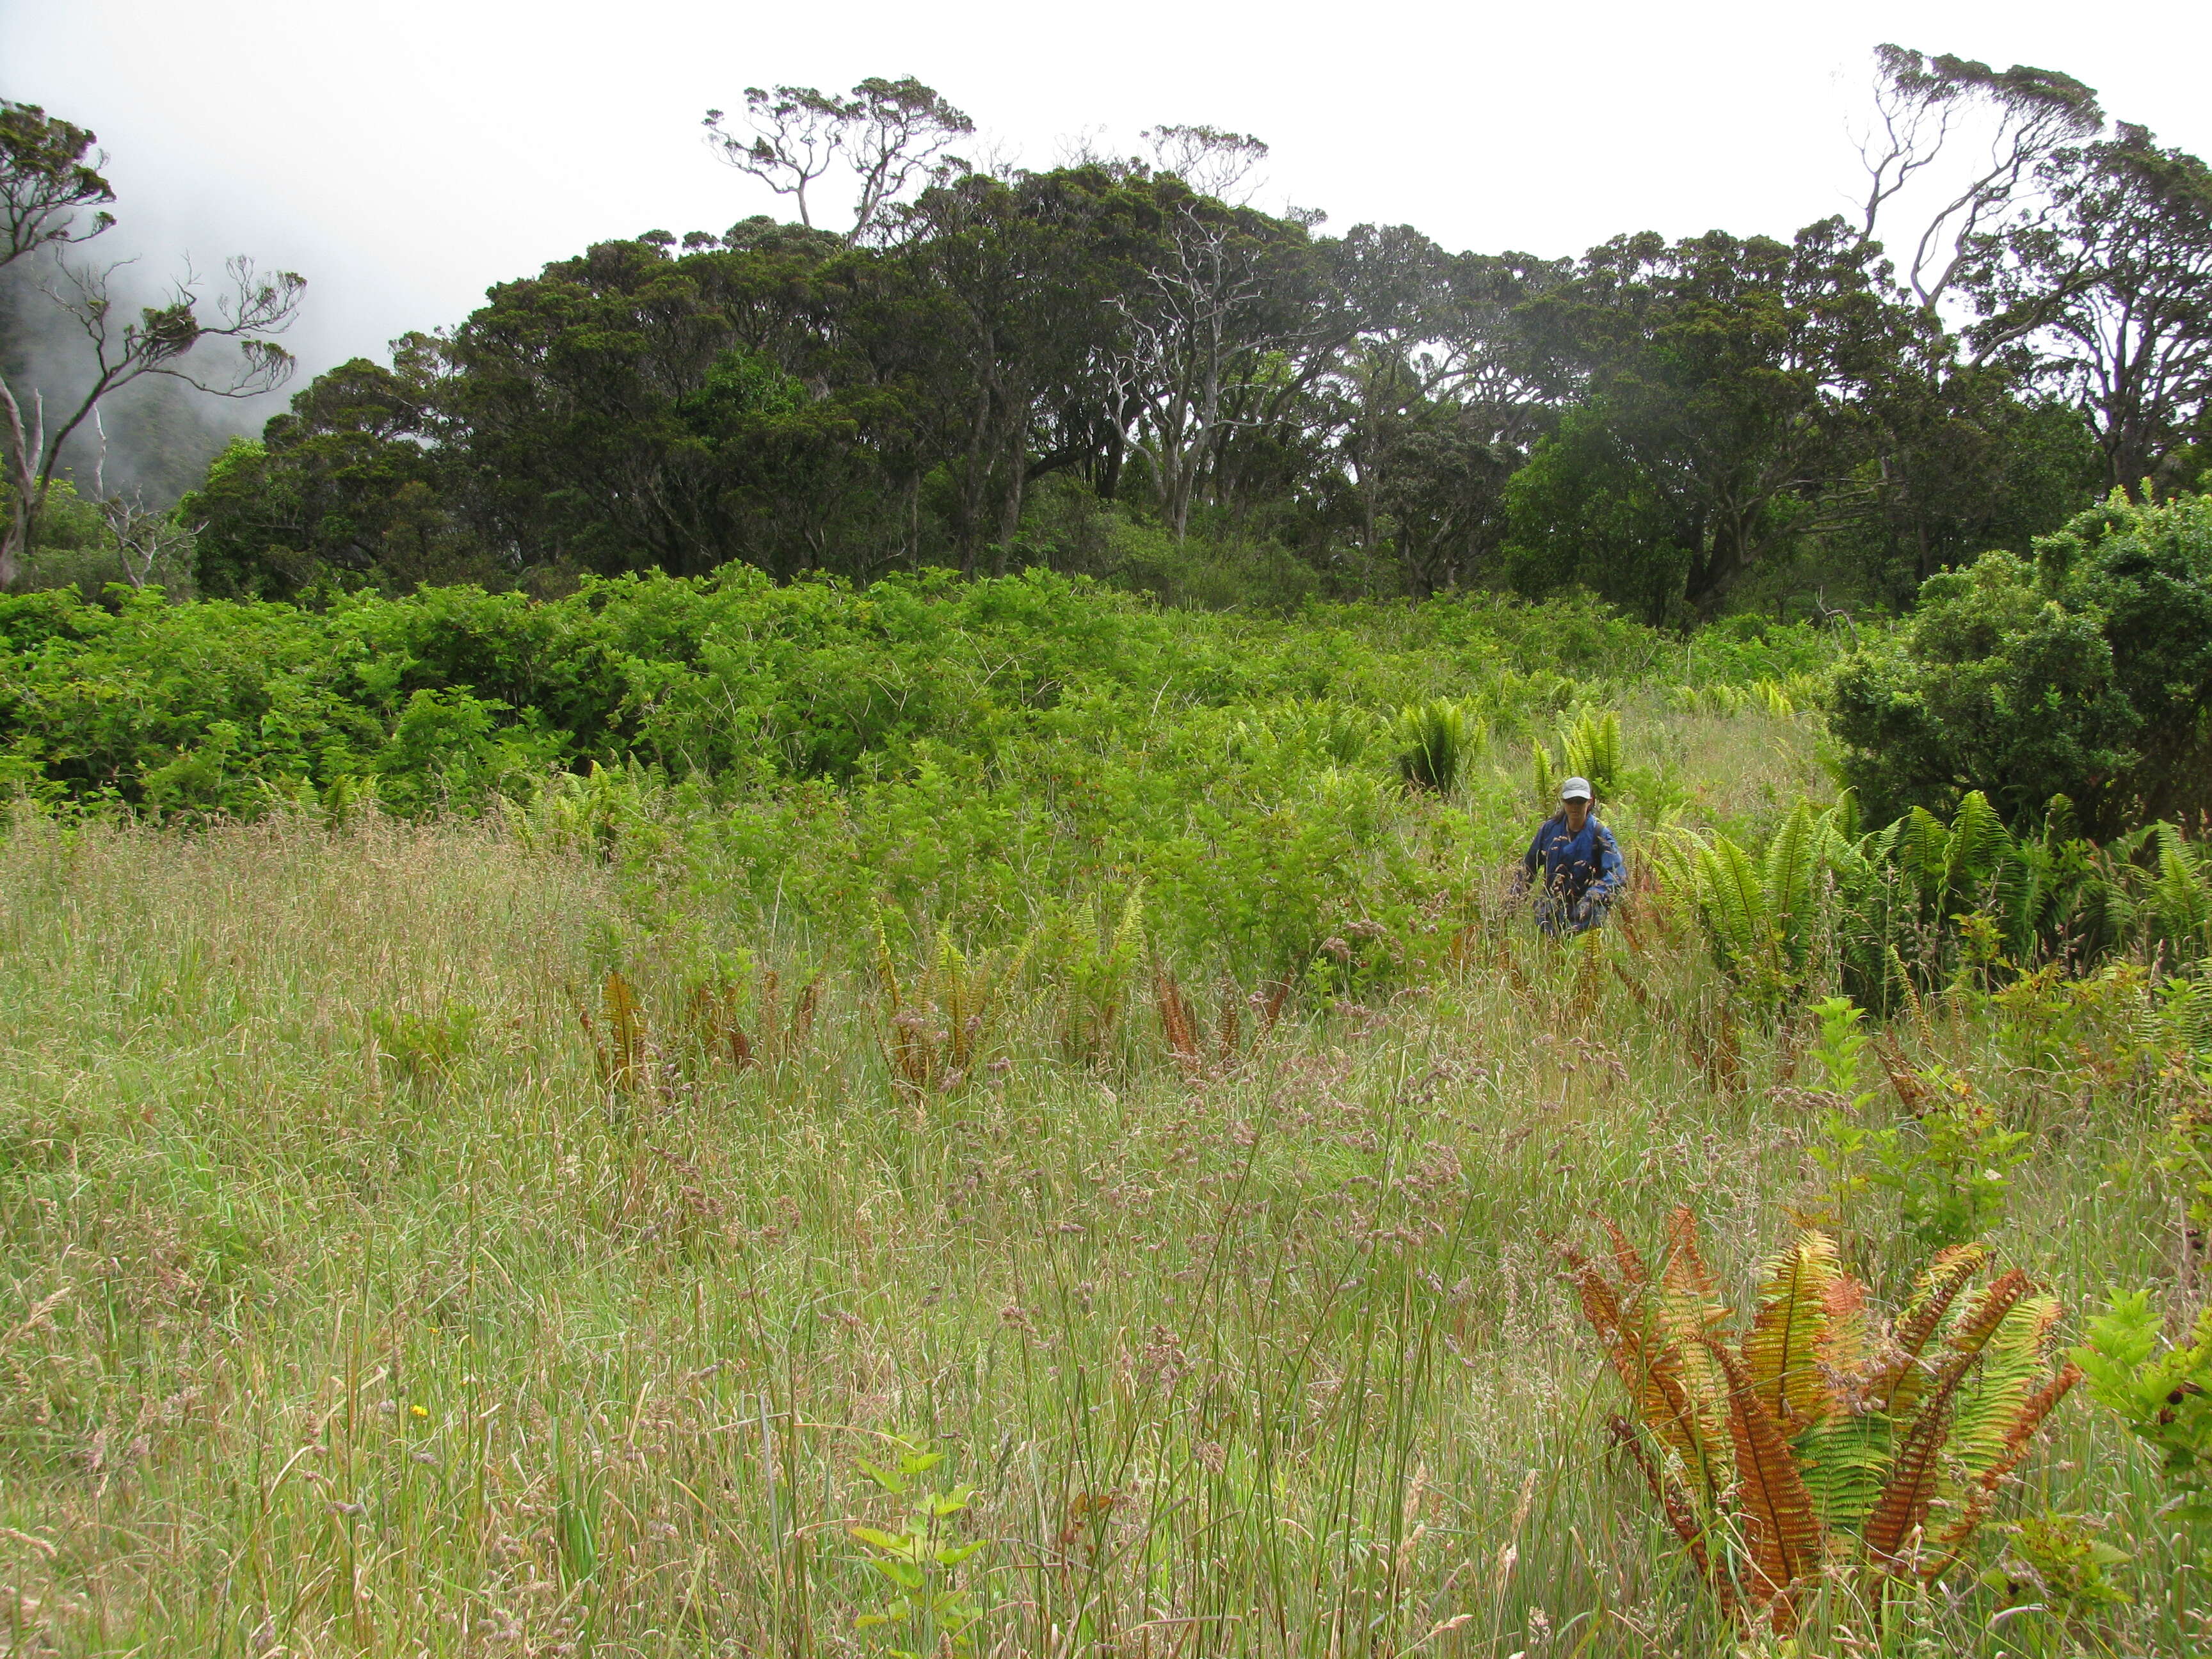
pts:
pixel 1579 874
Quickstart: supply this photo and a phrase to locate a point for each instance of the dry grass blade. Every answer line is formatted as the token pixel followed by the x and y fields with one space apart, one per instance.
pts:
pixel 1675 1505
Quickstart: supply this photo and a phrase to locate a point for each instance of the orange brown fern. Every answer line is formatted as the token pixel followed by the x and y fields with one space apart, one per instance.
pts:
pixel 1821 1440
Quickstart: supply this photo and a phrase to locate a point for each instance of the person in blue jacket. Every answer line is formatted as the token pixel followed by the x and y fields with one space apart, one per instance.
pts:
pixel 1575 863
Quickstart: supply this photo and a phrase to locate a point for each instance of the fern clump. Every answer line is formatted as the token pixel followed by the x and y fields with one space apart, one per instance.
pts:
pixel 1094 963
pixel 945 1018
pixel 1763 916
pixel 1436 739
pixel 1593 749
pixel 1547 777
pixel 1823 1445
pixel 1898 910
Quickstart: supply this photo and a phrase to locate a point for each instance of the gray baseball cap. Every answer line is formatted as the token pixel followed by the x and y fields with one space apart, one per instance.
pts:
pixel 1577 789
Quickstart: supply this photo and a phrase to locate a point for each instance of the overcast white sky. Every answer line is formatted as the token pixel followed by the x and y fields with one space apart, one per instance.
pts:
pixel 403 154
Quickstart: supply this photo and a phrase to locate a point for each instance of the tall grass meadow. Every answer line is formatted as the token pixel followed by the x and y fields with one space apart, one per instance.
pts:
pixel 921 1216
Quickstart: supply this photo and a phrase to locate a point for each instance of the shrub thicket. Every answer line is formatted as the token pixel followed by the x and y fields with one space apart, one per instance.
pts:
pixel 954 748
pixel 2087 674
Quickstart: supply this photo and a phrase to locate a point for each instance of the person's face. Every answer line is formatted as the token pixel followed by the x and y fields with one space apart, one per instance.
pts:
pixel 1577 814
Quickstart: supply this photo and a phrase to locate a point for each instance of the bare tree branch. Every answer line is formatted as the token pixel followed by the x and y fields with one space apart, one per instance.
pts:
pixel 893 134
pixel 1211 161
pixel 1920 103
pixel 145 540
pixel 249 313
pixel 797 132
pixel 899 132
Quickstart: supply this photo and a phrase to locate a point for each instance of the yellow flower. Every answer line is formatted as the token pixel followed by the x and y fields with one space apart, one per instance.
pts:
pixel 418 1411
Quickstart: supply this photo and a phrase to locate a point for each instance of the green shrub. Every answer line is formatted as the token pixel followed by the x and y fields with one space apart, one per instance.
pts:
pixel 2087 674
pixel 2163 1391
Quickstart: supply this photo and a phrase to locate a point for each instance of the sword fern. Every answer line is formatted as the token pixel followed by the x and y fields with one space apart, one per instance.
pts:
pixel 1823 1443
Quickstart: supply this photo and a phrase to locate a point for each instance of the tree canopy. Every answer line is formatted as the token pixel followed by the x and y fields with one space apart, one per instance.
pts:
pixel 1120 367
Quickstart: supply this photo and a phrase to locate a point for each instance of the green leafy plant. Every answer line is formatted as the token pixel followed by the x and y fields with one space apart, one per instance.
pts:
pixel 596 811
pixel 2187 1157
pixel 1839 1048
pixel 1762 916
pixel 931 1607
pixel 1836 1054
pixel 1949 1167
pixel 1592 746
pixel 2163 1391
pixel 1921 905
pixel 1822 1442
pixel 2056 1565
pixel 1338 733
pixel 2101 1022
pixel 425 1048
pixel 2185 1010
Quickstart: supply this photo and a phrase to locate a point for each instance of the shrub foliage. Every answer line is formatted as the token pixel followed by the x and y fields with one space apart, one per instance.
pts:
pixel 2088 673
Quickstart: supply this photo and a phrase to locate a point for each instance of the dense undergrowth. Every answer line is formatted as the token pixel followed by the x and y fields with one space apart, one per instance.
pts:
pixel 1081 1061
pixel 971 753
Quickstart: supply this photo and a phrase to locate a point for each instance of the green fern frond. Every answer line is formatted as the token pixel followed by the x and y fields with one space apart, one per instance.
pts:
pixel 2014 1361
pixel 1789 873
pixel 2178 899
pixel 1548 779
pixel 1593 749
pixel 1844 1460
pixel 1979 842
pixel 1781 1351
pixel 1923 853
pixel 1436 739
pixel 1735 905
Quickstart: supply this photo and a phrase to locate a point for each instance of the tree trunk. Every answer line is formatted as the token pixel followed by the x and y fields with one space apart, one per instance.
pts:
pixel 914 520
pixel 22 450
pixel 1724 564
pixel 1010 511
